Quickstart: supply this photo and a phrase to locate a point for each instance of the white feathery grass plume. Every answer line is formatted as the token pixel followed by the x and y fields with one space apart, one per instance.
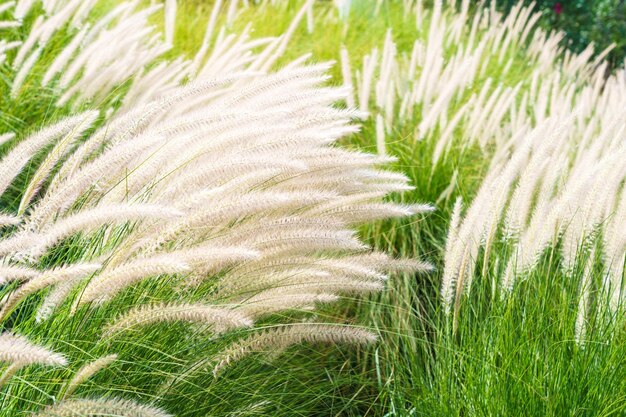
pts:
pixel 218 318
pixel 369 67
pixel 64 57
pixel 465 244
pixel 569 218
pixel 273 301
pixel 22 8
pixel 112 281
pixel 596 207
pixel 25 69
pixel 41 32
pixel 279 338
pixel 304 240
pixel 101 407
pixel 85 372
pixel 380 135
pixel 16 349
pixel 371 266
pixel 614 245
pixel 28 43
pixel 237 207
pixel 87 58
pixel 9 372
pixel 9 24
pixel 210 257
pixel 386 84
pixel 310 22
pixel 305 282
pixel 363 213
pixel 343 8
pixel 301 179
pixel 208 34
pixel 449 275
pixel 157 80
pixel 17 246
pixel 127 125
pixel 45 280
pixel 9 220
pixel 170 21
pixel 13 162
pixel 384 263
pixel 522 198
pixel 480 223
pixel 60 149
pixel 340 204
pixel 82 12
pixel 88 220
pixel 69 189
pixel 55 297
pixel 305 279
pixel 568 188
pixel 346 72
pixel 7 46
pixel 15 272
pixel 232 11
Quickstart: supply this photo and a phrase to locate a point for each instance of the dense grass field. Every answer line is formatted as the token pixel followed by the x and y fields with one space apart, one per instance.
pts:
pixel 307 208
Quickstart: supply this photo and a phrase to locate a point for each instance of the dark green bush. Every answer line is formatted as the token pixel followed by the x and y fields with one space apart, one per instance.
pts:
pixel 584 21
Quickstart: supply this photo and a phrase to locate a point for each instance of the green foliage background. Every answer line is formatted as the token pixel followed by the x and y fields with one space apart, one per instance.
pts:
pixel 602 22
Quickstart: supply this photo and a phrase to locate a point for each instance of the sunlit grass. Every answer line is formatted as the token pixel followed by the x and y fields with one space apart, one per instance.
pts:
pixel 508 357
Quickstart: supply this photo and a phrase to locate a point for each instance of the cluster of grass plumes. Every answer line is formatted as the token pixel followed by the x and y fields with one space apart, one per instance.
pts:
pixel 221 203
pixel 489 76
pixel 552 140
pixel 566 191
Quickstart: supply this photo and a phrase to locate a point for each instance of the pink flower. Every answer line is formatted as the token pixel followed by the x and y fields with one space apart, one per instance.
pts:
pixel 558 8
